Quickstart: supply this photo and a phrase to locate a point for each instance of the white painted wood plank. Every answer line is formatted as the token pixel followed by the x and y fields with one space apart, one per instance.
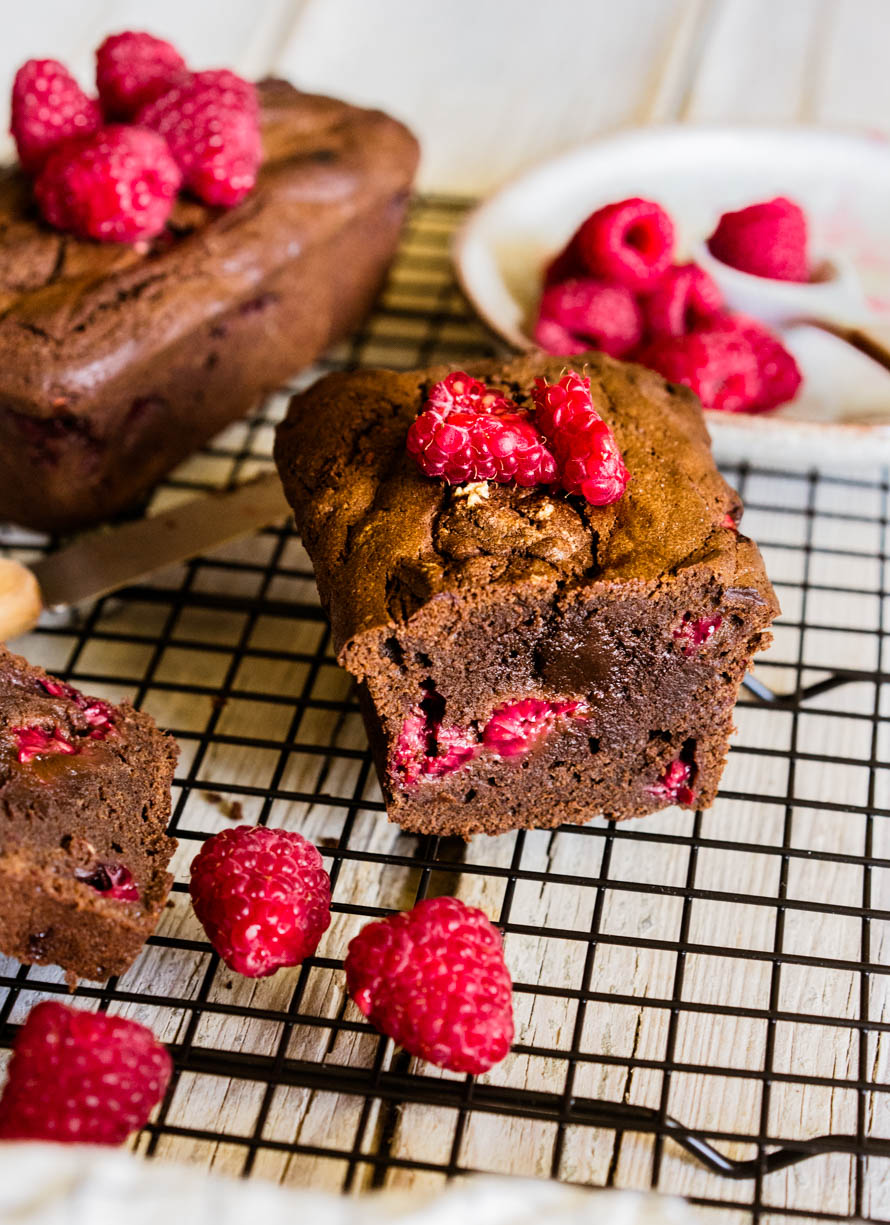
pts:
pixel 489 90
pixel 756 61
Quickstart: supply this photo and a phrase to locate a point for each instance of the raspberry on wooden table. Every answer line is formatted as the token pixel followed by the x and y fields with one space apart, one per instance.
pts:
pixel 210 121
pixel 606 316
pixel 83 1077
pixel 132 68
pixel 630 242
pixel 117 185
pixel 48 107
pixel 587 456
pixel 262 896
pixel 434 980
pixel 768 239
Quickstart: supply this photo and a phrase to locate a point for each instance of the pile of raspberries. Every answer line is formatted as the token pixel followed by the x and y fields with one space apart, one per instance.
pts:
pixel 615 287
pixel 467 431
pixel 110 167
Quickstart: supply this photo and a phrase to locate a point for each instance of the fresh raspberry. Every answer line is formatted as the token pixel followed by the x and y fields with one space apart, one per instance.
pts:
pixel 780 376
pixel 587 455
pixel 469 432
pixel 34 742
pixel 111 879
pixel 132 69
pixel 434 980
pixel 718 365
pixel 117 185
pixel 552 337
pixel 630 242
pixel 48 107
pixel 460 392
pixel 767 239
pixel 98 714
pixel 211 124
pixel 606 316
pixel 693 632
pixel 729 523
pixel 567 263
pixel 516 727
pixel 262 896
pixel 674 784
pixel 685 298
pixel 82 1077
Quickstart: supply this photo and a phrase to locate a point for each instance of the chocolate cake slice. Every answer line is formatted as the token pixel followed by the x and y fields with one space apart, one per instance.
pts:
pixel 526 658
pixel 84 806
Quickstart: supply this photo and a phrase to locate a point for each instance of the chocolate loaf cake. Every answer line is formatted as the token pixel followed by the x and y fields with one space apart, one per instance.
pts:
pixel 84 805
pixel 117 361
pixel 525 658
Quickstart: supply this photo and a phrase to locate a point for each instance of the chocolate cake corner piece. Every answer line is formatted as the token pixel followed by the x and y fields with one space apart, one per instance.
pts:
pixel 526 659
pixel 84 806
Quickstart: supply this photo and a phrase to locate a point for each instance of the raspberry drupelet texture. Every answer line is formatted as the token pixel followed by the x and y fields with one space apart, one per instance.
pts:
pixel 587 455
pixel 768 239
pixel 83 1077
pixel 262 896
pixel 132 68
pixel 685 299
pixel 117 185
pixel 630 243
pixel 48 107
pixel 606 316
pixel 468 432
pixel 210 121
pixel 434 980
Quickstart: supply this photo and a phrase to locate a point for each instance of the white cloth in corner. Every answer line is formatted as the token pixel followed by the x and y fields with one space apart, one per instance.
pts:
pixel 44 1184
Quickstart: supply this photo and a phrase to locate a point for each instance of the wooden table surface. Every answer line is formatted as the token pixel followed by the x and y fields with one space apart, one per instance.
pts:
pixel 729 968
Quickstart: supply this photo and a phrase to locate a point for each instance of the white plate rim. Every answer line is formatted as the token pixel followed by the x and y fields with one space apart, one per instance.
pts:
pixel 470 233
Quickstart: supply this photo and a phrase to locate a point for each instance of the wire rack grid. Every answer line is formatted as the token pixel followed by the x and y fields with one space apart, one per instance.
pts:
pixel 701 999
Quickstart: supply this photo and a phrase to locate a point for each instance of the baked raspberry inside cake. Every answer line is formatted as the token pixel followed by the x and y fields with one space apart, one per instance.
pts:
pixel 84 805
pixel 527 657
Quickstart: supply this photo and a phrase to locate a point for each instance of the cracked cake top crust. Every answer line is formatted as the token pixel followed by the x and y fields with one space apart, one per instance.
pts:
pixel 401 544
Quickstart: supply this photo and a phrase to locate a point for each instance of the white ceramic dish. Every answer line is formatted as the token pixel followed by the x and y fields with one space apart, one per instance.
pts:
pixel 697 173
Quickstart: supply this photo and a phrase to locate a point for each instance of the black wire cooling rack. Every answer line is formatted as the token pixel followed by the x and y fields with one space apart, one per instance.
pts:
pixel 701 999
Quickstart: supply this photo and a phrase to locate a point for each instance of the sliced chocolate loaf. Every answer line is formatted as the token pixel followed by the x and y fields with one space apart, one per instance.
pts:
pixel 526 658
